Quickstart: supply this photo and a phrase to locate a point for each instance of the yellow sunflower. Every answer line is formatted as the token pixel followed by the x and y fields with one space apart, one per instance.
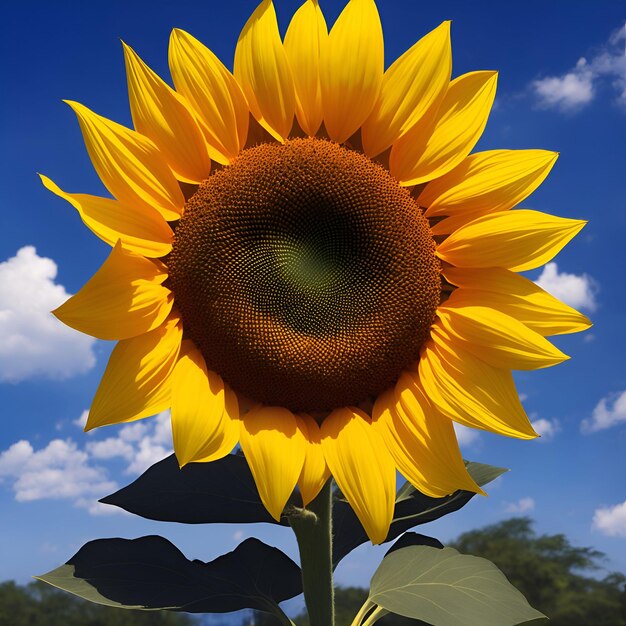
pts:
pixel 308 261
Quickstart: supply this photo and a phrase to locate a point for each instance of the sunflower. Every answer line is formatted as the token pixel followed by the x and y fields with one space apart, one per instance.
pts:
pixel 307 260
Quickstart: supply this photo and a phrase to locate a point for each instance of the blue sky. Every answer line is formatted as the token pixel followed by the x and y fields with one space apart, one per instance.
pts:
pixel 562 87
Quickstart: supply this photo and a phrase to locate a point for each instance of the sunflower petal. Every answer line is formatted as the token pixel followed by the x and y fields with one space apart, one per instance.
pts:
pixel 200 428
pixel 497 338
pixel 516 296
pixel 423 154
pixel 517 240
pixel 143 231
pixel 314 472
pixel 137 380
pixel 421 441
pixel 160 114
pixel 496 180
pixel 124 298
pixel 363 468
pixel 231 426
pixel 214 94
pixel 305 38
pixel 262 70
pixel 129 164
pixel 351 70
pixel 275 448
pixel 412 89
pixel 470 391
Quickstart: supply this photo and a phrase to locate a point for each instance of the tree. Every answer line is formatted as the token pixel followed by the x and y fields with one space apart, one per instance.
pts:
pixel 550 572
pixel 38 604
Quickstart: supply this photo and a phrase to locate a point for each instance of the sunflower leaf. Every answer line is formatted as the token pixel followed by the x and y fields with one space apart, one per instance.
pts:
pixel 444 587
pixel 414 539
pixel 412 509
pixel 150 573
pixel 199 493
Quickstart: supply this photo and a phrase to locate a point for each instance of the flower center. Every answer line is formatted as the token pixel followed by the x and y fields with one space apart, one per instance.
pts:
pixel 305 274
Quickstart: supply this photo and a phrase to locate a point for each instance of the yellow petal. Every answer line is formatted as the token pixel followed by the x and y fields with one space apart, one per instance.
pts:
pixel 200 427
pixel 497 338
pixel 314 472
pixel 141 230
pixel 412 90
pixel 137 379
pixel 160 114
pixel 470 391
pixel 306 36
pixel 421 441
pixel 214 94
pixel 129 164
pixel 516 296
pixel 423 154
pixel 262 69
pixel 496 180
pixel 124 298
pixel 363 468
pixel 351 69
pixel 517 240
pixel 275 448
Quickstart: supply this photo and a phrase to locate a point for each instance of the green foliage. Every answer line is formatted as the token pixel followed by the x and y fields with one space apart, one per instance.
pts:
pixel 444 587
pixel 550 572
pixel 38 604
pixel 557 578
pixel 151 573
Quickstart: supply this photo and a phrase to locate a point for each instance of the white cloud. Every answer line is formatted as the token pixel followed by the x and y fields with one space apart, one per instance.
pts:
pixel 153 446
pixel 81 420
pixel 524 505
pixel 569 91
pixel 110 448
pixel 466 437
pixel 611 520
pixel 579 291
pixel 62 470
pixel 579 86
pixel 58 471
pixel 611 410
pixel 547 429
pixel 34 342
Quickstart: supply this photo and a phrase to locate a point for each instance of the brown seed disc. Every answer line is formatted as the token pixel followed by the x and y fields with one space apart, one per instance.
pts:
pixel 305 274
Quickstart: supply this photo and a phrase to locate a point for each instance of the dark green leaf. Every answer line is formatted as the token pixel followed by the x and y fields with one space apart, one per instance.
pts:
pixel 446 588
pixel 412 508
pixel 199 493
pixel 151 573
pixel 414 539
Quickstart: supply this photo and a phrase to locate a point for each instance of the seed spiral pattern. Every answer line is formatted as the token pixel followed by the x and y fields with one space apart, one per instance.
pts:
pixel 305 274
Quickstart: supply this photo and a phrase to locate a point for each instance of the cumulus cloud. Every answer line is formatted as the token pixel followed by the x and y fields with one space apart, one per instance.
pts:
pixel 524 505
pixel 34 342
pixel 58 471
pixel 579 291
pixel 546 429
pixel 466 437
pixel 152 446
pixel 61 470
pixel 577 87
pixel 611 410
pixel 611 520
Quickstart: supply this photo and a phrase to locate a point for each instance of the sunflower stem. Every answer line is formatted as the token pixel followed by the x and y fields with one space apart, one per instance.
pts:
pixel 313 529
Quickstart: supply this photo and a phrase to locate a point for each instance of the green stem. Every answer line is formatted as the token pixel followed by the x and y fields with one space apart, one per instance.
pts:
pixel 374 616
pixel 313 529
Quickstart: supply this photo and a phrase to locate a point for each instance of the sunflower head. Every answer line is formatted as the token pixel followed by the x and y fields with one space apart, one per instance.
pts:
pixel 305 274
pixel 309 261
